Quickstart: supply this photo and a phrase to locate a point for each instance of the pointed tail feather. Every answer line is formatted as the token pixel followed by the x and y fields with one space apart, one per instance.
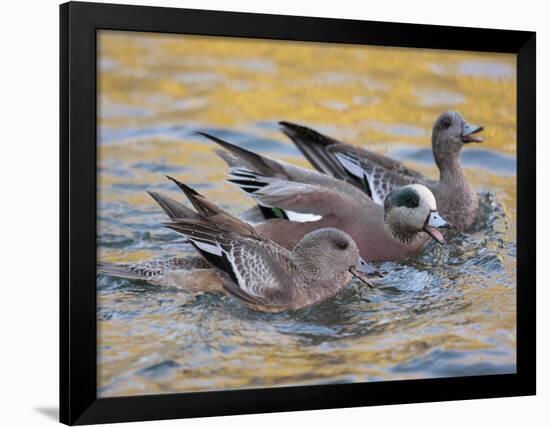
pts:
pixel 255 161
pixel 171 207
pixel 210 213
pixel 231 160
pixel 195 229
pixel 199 202
pixel 314 146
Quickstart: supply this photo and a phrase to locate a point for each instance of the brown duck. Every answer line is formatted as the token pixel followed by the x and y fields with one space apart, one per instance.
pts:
pixel 378 175
pixel 295 201
pixel 258 271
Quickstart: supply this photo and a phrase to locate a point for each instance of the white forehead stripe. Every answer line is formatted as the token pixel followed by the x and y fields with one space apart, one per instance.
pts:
pixel 426 195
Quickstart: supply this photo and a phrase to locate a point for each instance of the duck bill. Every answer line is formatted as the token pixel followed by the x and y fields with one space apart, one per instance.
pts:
pixel 433 223
pixel 364 271
pixel 469 133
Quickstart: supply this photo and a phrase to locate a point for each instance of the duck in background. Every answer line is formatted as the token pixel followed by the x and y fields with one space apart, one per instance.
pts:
pixel 378 175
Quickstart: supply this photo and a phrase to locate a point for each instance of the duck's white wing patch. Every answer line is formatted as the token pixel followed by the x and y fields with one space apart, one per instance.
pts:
pixel 382 174
pixel 210 247
pixel 353 165
pixel 301 217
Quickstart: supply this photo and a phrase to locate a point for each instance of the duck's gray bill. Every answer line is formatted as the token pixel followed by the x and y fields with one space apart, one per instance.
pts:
pixel 469 131
pixel 363 271
pixel 433 222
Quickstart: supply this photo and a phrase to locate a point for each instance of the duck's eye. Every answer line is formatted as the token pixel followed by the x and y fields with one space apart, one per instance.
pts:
pixel 446 122
pixel 342 245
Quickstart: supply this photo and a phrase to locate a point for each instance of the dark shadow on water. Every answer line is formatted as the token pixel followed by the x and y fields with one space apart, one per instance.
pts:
pixel 49 412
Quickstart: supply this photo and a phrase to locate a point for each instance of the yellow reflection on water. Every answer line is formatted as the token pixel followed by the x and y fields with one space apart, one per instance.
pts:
pixel 364 95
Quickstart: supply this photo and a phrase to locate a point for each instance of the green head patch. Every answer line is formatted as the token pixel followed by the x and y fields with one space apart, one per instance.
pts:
pixel 406 197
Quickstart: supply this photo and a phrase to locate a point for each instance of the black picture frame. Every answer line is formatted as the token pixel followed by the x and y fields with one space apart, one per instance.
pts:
pixel 79 23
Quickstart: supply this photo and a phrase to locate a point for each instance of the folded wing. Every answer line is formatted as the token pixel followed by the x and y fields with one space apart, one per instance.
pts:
pixel 375 174
pixel 282 190
pixel 378 174
pixel 314 146
pixel 249 267
pixel 252 268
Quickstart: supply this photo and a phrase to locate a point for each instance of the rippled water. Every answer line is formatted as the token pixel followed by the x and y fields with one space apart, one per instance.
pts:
pixel 451 311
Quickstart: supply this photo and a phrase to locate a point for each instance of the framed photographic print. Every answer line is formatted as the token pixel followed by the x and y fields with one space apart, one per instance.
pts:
pixel 274 213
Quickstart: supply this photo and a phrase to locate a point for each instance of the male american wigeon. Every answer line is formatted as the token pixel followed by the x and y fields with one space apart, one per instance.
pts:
pixel 256 270
pixel 378 175
pixel 296 201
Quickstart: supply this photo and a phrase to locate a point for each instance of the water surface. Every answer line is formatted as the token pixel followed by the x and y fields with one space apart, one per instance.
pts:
pixel 449 312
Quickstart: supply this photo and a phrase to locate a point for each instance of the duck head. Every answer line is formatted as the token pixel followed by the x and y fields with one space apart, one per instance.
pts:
pixel 412 210
pixel 331 253
pixel 450 133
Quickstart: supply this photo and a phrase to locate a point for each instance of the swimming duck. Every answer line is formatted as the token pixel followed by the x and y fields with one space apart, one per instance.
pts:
pixel 296 201
pixel 258 271
pixel 378 175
